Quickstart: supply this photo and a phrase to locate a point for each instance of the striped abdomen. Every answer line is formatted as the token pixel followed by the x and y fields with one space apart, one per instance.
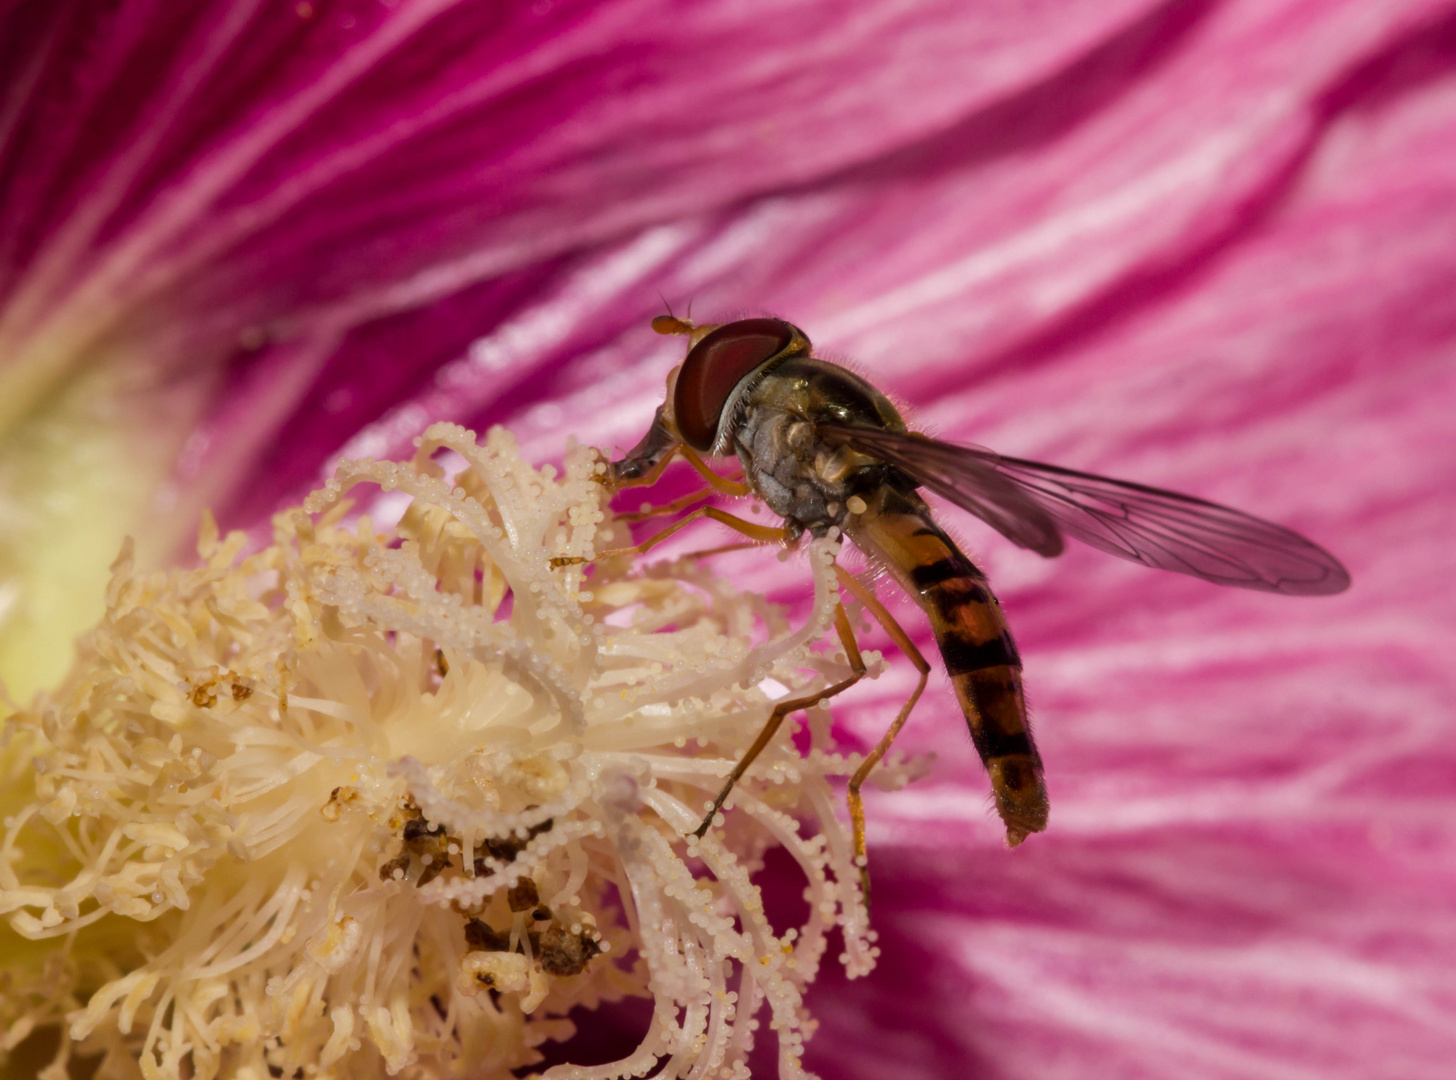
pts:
pixel 974 640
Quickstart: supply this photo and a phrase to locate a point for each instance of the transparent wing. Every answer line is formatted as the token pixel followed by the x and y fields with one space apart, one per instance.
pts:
pixel 964 475
pixel 1157 528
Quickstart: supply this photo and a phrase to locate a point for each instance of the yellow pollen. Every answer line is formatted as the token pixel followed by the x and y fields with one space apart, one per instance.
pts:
pixel 266 828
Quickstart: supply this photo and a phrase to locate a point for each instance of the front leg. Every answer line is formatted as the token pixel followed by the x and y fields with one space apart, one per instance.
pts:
pixel 762 534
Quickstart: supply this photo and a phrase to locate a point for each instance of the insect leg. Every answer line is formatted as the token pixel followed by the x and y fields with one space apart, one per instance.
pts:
pixel 902 640
pixel 666 508
pixel 762 533
pixel 720 549
pixel 721 483
pixel 791 705
pixel 644 465
pixel 726 484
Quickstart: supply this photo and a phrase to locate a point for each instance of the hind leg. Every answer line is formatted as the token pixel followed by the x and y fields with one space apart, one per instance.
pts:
pixel 856 782
pixel 785 708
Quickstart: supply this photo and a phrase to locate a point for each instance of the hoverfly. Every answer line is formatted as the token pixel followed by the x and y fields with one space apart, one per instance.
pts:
pixel 823 449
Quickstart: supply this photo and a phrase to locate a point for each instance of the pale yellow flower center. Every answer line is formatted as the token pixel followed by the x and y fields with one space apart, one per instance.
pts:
pixel 391 801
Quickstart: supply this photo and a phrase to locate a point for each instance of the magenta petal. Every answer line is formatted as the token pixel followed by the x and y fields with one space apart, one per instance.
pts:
pixel 1205 245
pixel 187 177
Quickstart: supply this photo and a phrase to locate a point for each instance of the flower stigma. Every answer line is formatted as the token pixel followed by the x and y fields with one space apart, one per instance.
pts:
pixel 375 800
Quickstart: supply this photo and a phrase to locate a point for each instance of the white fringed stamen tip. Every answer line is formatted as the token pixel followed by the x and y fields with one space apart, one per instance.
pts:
pixel 333 808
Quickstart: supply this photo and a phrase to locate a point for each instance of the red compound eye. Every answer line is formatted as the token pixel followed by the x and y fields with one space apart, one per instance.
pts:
pixel 715 367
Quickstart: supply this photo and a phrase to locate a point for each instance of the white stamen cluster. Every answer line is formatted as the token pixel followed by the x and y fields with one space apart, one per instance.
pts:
pixel 393 801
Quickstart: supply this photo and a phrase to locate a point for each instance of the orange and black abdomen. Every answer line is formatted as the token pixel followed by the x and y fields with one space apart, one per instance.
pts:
pixel 975 643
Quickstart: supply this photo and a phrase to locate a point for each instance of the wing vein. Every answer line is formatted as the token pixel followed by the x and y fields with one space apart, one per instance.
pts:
pixel 1033 505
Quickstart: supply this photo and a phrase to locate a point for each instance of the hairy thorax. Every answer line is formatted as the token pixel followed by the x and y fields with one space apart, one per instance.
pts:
pixel 805 480
pixel 808 487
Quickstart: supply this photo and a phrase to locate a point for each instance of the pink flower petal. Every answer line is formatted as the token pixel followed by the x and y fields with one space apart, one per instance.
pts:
pixel 1209 246
pixel 264 173
pixel 288 214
